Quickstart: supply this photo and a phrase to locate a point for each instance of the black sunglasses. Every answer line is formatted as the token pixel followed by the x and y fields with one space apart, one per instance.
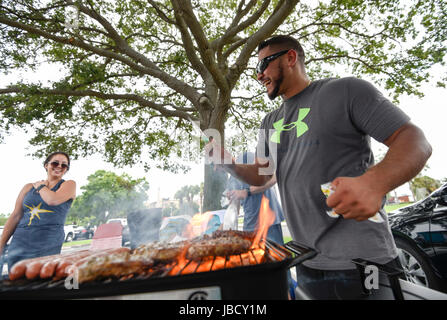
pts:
pixel 55 164
pixel 264 63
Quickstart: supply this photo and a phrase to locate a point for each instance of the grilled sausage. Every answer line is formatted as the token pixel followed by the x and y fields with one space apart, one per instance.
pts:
pixel 60 269
pixel 64 269
pixel 224 246
pixel 112 264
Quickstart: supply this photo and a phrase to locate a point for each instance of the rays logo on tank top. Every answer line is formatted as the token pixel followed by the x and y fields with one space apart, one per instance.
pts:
pixel 35 211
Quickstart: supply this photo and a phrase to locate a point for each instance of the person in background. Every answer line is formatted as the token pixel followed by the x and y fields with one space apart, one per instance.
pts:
pixel 37 222
pixel 251 196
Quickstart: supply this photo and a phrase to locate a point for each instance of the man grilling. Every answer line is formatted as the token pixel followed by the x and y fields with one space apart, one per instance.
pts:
pixel 321 133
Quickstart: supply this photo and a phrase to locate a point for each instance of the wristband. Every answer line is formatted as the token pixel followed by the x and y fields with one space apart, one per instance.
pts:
pixel 40 187
pixel 248 191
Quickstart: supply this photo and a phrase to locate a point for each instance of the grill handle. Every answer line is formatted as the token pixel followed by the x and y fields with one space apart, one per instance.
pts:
pixel 301 252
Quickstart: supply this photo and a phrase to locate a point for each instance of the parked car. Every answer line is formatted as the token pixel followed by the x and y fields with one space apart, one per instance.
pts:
pixel 126 232
pixel 123 221
pixel 83 232
pixel 420 233
pixel 69 232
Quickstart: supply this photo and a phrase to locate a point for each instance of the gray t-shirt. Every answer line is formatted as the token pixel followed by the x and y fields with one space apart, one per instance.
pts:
pixel 320 134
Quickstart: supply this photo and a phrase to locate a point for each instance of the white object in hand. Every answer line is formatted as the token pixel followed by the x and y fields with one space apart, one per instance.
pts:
pixel 328 189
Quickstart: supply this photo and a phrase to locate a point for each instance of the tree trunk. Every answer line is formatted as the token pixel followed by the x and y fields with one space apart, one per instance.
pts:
pixel 215 184
pixel 215 181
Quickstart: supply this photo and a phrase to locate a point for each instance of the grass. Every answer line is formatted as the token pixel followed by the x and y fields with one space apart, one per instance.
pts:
pixel 392 207
pixel 77 243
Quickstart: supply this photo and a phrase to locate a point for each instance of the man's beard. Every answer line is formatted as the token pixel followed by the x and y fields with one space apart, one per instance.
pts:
pixel 278 82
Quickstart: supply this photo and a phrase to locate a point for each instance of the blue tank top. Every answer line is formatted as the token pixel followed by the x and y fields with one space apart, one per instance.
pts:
pixel 37 213
pixel 42 226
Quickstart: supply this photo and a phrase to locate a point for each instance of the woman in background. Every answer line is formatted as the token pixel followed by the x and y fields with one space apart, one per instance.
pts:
pixel 37 222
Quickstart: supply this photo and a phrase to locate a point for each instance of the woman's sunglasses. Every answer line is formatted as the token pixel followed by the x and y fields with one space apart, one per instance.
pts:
pixel 264 63
pixel 55 164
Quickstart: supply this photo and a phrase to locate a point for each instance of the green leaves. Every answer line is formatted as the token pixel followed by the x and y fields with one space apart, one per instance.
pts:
pixel 134 72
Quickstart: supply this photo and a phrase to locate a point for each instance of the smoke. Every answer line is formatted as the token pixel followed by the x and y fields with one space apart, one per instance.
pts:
pixel 144 226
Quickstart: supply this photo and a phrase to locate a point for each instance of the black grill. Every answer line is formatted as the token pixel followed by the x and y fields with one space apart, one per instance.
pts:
pixel 266 279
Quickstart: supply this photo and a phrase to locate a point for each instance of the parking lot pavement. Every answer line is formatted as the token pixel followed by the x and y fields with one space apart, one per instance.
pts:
pixel 74 248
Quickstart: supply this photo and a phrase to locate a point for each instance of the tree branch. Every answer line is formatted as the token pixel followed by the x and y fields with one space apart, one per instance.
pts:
pixel 185 11
pixel 105 96
pixel 147 66
pixel 281 11
pixel 152 68
pixel 190 50
pixel 235 27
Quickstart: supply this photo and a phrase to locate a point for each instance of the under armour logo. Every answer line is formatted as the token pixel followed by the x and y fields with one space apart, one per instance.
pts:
pixel 301 127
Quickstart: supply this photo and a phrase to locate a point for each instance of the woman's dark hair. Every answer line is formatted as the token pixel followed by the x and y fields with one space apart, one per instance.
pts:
pixel 284 42
pixel 47 160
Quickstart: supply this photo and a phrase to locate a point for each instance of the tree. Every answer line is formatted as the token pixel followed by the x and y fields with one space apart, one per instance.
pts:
pixel 187 193
pixel 106 192
pixel 421 186
pixel 134 73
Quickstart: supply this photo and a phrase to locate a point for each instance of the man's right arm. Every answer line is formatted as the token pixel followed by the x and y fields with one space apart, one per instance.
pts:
pixel 256 174
pixel 249 173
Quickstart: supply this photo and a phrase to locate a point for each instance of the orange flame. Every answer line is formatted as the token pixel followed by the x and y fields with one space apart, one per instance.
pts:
pixel 254 256
pixel 265 220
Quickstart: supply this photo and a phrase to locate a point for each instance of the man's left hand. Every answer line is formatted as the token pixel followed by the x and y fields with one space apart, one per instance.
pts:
pixel 356 198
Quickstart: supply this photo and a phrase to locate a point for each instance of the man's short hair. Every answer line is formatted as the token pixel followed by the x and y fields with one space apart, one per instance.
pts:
pixel 283 42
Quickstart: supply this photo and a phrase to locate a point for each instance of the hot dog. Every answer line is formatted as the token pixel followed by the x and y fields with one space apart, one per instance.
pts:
pixel 33 268
pixel 18 270
pixel 49 268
